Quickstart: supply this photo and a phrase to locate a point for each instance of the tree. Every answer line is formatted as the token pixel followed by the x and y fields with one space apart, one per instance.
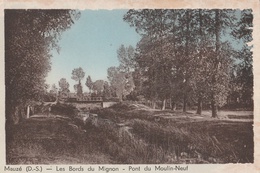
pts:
pixel 187 49
pixel 125 56
pixel 54 91
pixel 75 87
pixel 98 86
pixel 199 78
pixel 89 83
pixel 64 88
pixel 77 75
pixel 182 53
pixel 154 71
pixel 120 78
pixel 107 90
pixel 243 74
pixel 78 89
pixel 117 81
pixel 152 51
pixel 64 85
pixel 30 36
pixel 214 79
pixel 221 60
pixel 129 84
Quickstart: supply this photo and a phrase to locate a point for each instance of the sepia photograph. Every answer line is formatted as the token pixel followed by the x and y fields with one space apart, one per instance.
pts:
pixel 128 86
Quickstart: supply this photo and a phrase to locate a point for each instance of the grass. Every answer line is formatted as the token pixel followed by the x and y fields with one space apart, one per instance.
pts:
pixel 199 141
pixel 130 134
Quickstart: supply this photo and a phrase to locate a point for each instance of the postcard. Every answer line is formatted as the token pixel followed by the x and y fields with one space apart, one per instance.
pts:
pixel 127 86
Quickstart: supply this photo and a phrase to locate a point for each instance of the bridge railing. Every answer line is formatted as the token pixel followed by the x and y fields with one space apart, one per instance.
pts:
pixel 100 99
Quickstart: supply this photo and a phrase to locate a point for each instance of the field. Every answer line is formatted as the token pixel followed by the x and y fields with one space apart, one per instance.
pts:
pixel 133 134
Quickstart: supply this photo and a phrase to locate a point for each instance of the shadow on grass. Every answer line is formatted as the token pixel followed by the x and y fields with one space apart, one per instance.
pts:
pixel 124 135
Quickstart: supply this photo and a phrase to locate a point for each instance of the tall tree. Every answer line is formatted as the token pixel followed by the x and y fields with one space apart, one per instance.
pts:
pixel 30 35
pixel 186 52
pixel 107 90
pixel 64 85
pixel 152 50
pixel 117 81
pixel 64 88
pixel 221 62
pixel 89 83
pixel 183 53
pixel 199 78
pixel 125 56
pixel 78 89
pixel 243 78
pixel 54 91
pixel 98 86
pixel 77 75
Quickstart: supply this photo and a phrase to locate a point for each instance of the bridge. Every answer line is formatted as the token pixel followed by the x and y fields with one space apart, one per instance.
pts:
pixel 73 97
pixel 85 99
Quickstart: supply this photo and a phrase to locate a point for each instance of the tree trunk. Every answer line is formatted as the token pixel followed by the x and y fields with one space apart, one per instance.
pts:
pixel 184 103
pixel 216 61
pixel 16 115
pixel 173 106
pixel 29 111
pixel 163 104
pixel 170 103
pixel 199 108
pixel 214 109
pixel 153 104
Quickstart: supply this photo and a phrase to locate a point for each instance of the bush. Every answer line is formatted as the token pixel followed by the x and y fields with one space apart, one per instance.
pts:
pixel 111 99
pixel 64 110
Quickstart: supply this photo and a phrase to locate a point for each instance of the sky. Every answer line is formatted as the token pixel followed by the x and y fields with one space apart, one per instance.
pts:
pixel 91 43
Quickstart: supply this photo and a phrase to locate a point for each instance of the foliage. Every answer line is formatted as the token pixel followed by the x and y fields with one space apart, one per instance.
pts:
pixel 30 35
pixel 107 90
pixel 54 90
pixel 48 97
pixel 65 110
pixel 89 83
pixel 98 87
pixel 182 54
pixel 243 70
pixel 117 81
pixel 125 56
pixel 78 74
pixel 64 85
pixel 121 78
pixel 78 89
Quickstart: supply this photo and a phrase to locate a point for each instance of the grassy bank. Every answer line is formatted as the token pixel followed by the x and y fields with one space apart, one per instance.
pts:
pixel 185 138
pixel 131 134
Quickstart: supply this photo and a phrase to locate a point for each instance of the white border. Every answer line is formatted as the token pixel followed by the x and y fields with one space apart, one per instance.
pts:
pixel 126 4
